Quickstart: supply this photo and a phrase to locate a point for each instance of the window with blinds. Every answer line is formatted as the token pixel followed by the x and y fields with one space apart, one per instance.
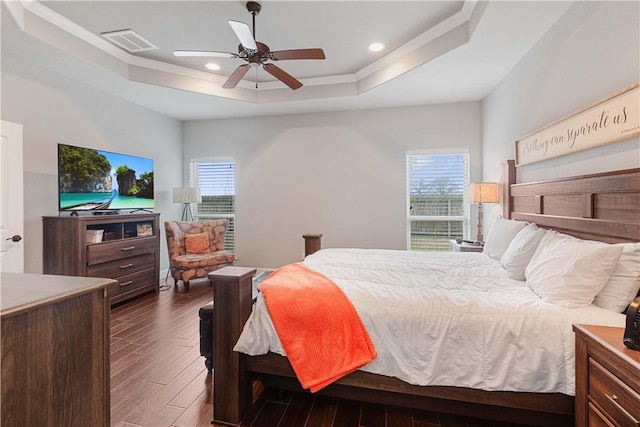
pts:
pixel 216 181
pixel 437 208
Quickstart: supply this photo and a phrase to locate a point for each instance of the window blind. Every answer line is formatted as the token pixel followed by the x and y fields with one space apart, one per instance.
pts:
pixel 437 202
pixel 216 180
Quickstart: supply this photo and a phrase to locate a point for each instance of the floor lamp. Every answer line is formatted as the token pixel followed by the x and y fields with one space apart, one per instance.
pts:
pixel 484 192
pixel 186 196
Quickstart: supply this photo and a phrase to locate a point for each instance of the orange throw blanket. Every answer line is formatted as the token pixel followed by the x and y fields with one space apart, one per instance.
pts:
pixel 318 326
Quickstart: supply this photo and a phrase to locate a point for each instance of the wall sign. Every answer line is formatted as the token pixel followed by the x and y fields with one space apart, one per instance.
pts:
pixel 612 119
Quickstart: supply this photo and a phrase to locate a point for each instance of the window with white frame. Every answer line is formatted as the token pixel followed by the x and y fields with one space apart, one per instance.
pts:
pixel 437 208
pixel 216 181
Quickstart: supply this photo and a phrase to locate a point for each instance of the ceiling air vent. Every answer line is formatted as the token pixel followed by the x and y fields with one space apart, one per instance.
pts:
pixel 129 40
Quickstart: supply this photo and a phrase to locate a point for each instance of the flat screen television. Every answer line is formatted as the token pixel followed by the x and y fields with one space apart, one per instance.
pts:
pixel 96 180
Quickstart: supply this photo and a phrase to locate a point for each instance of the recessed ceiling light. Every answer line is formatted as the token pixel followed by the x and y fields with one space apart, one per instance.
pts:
pixel 212 66
pixel 376 47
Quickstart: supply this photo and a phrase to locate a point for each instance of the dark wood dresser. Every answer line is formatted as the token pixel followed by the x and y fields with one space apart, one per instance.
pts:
pixel 127 249
pixel 55 350
pixel 607 378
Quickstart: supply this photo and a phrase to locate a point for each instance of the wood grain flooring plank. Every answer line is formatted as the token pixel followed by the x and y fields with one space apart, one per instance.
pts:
pixel 157 402
pixel 372 415
pixel 270 415
pixel 117 325
pixel 426 416
pixel 123 368
pixel 128 402
pixel 398 417
pixel 164 417
pixel 123 350
pixel 145 367
pixel 417 423
pixel 348 413
pixel 191 392
pixel 123 424
pixel 297 411
pixel 323 412
pixel 176 368
pixel 259 400
pixel 199 413
pixel 447 420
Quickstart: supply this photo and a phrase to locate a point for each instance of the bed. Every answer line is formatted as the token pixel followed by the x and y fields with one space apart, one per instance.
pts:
pixel 603 207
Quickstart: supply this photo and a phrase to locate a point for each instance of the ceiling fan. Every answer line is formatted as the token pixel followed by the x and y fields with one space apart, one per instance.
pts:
pixel 256 53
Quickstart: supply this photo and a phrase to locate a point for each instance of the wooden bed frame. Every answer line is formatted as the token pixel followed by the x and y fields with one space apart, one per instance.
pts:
pixel 603 207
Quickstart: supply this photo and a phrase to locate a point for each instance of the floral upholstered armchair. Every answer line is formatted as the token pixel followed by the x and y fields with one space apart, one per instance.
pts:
pixel 196 248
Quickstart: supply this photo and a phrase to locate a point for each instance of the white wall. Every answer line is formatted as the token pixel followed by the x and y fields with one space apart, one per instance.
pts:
pixel 340 174
pixel 591 52
pixel 53 109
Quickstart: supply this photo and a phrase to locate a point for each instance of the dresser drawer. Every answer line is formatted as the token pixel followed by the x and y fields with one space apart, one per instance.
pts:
pixel 104 252
pixel 597 419
pixel 115 269
pixel 133 281
pixel 614 397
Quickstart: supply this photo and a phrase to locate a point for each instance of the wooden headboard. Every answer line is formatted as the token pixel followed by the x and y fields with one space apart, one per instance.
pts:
pixel 603 206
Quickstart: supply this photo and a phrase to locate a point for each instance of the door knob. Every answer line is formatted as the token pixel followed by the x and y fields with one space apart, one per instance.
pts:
pixel 15 238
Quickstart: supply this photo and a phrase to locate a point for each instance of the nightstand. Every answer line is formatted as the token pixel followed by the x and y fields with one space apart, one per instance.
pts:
pixel 607 378
pixel 464 247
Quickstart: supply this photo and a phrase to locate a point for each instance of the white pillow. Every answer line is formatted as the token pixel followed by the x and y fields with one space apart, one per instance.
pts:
pixel 568 271
pixel 519 252
pixel 624 283
pixel 500 235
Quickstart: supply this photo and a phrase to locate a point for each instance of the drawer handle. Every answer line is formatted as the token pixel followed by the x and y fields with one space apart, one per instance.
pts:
pixel 614 400
pixel 123 267
pixel 130 282
pixel 130 248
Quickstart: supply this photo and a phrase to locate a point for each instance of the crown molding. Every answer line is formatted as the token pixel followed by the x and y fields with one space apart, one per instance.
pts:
pixel 437 40
pixel 440 29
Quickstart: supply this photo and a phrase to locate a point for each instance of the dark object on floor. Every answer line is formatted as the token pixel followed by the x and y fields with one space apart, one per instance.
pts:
pixel 206 323
pixel 632 331
pixel 206 334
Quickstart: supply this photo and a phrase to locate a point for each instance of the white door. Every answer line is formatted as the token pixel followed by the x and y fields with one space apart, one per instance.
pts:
pixel 11 203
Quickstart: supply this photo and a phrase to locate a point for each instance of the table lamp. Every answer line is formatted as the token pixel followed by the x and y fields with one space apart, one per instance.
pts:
pixel 484 192
pixel 186 196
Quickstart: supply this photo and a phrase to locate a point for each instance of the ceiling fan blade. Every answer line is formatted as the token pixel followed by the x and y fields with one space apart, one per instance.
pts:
pixel 204 53
pixel 297 54
pixel 283 76
pixel 236 76
pixel 243 32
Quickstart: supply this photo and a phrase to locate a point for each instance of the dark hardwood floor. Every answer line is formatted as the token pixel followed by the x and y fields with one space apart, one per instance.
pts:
pixel 158 378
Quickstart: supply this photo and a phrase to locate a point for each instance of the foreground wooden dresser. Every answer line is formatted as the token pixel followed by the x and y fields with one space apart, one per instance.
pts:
pixel 607 378
pixel 129 250
pixel 55 350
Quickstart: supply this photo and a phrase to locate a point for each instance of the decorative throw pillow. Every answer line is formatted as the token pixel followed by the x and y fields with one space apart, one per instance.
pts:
pixel 520 251
pixel 501 234
pixel 624 283
pixel 569 271
pixel 197 243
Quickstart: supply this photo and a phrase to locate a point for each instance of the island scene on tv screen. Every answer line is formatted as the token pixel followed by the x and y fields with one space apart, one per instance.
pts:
pixel 90 179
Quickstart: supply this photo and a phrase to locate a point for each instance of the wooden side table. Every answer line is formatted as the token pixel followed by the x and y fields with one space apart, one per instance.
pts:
pixel 607 378
pixel 312 243
pixel 464 247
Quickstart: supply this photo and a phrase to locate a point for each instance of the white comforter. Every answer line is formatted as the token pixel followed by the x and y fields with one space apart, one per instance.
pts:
pixel 452 319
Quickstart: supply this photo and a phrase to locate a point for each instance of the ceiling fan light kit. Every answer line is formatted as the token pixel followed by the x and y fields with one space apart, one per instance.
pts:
pixel 256 53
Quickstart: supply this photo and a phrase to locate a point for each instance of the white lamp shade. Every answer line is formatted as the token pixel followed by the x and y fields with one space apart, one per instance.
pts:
pixel 186 195
pixel 486 192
